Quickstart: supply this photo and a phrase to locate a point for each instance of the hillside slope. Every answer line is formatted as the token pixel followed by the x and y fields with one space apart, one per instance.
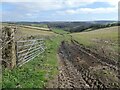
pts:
pixel 103 41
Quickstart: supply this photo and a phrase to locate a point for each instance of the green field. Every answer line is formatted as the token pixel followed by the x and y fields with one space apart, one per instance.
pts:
pixel 23 32
pixel 59 31
pixel 102 39
pixel 30 31
pixel 107 34
pixel 40 25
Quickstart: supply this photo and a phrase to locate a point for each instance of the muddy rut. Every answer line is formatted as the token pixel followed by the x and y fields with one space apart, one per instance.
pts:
pixel 82 68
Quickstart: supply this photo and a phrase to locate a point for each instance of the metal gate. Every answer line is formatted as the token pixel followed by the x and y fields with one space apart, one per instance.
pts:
pixel 28 50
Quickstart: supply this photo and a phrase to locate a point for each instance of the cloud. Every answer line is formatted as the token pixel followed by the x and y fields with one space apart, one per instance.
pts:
pixel 37 6
pixel 89 11
pixel 65 3
pixel 32 8
pixel 112 9
pixel 28 14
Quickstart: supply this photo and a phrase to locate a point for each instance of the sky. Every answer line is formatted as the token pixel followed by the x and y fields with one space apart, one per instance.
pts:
pixel 58 10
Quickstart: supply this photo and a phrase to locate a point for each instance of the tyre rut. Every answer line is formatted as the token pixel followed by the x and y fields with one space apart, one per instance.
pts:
pixel 78 65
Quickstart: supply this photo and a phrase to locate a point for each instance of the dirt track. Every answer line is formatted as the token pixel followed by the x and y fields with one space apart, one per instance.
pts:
pixel 81 68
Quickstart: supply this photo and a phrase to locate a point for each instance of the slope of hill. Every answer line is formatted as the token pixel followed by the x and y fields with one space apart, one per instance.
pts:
pixel 23 32
pixel 82 26
pixel 105 41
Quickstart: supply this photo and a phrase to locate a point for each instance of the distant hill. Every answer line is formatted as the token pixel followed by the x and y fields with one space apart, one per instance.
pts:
pixel 102 22
pixel 73 26
pixel 82 26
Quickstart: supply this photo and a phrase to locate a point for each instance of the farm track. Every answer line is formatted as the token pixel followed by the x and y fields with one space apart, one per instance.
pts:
pixel 77 64
pixel 69 77
pixel 112 64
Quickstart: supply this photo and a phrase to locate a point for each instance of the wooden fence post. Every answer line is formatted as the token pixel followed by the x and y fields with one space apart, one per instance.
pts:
pixel 13 49
pixel 8 47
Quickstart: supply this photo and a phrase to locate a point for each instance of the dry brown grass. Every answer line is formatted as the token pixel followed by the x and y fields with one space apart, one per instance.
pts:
pixel 23 32
pixel 104 41
pixel 38 28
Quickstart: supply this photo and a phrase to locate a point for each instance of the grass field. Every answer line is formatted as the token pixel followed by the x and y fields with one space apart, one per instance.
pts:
pixel 40 25
pixel 30 31
pixel 27 32
pixel 35 27
pixel 22 32
pixel 102 39
pixel 107 34
pixel 59 31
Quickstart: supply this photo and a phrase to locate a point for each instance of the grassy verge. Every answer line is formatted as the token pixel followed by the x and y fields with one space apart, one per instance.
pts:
pixel 37 72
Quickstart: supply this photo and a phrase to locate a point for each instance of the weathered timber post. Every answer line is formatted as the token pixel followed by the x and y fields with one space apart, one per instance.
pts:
pixel 13 49
pixel 8 50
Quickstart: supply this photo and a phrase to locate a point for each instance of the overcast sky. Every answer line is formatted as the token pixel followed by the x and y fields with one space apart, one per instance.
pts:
pixel 59 10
